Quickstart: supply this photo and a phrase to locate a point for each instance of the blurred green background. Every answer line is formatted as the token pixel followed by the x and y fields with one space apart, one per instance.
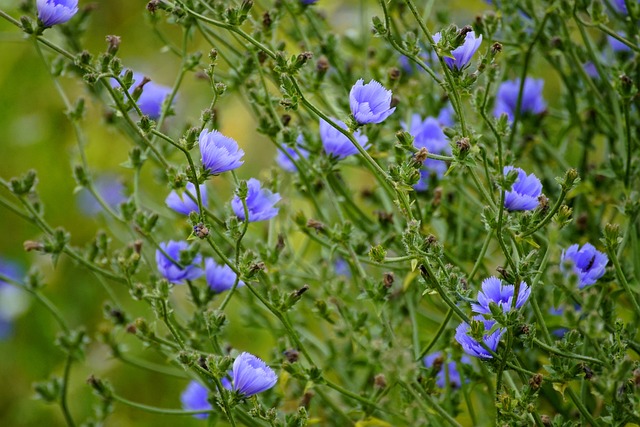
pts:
pixel 34 133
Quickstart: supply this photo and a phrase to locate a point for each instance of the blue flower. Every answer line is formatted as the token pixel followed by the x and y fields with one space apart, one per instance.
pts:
pixel 445 369
pixel 308 2
pixel 13 301
pixel 186 201
pixel 621 6
pixel 532 100
pixel 220 278
pixel 524 192
pixel 285 162
pixel 251 375
pixel 447 115
pixel 53 12
pixel 617 45
pixel 462 54
pixel 152 97
pixel 341 267
pixel 219 153
pixel 370 103
pixel 588 263
pixel 259 201
pixel 109 188
pixel 170 270
pixel 473 347
pixel 338 145
pixel 493 290
pixel 428 134
pixel 194 398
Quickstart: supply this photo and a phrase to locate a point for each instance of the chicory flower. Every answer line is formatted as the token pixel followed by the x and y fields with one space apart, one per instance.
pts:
pixel 524 193
pixel 220 278
pixel 54 12
pixel 338 145
pixel 493 290
pixel 185 202
pixel 507 98
pixel 260 203
pixel 587 263
pixel 251 375
pixel 473 347
pixel 219 153
pixel 168 268
pixel 370 103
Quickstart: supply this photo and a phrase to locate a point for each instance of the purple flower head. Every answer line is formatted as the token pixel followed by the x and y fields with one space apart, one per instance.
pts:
pixel 524 192
pixel 219 153
pixel 109 188
pixel 251 375
pixel 621 6
pixel 462 54
pixel 445 369
pixel 152 96
pixel 185 202
pixel 170 270
pixel 532 100
pixel 370 103
pixel 260 203
pixel 194 398
pixel 53 12
pixel 447 115
pixel 220 278
pixel 428 134
pixel 591 70
pixel 617 45
pixel 493 290
pixel 473 347
pixel 285 162
pixel 308 2
pixel 341 267
pixel 588 263
pixel 338 145
pixel 13 301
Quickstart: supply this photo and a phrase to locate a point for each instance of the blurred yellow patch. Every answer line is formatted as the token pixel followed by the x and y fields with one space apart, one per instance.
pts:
pixel 372 422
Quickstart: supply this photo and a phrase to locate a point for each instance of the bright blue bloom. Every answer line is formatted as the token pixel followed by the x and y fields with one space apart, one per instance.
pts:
pixel 524 193
pixel 13 301
pixel 588 263
pixel 194 398
pixel 259 201
pixel 428 134
pixel 109 188
pixel 447 115
pixel 338 145
pixel 493 290
pixel 445 368
pixel 473 347
pixel 220 278
pixel 219 153
pixel 618 46
pixel 532 100
pixel 185 202
pixel 462 54
pixel 170 270
pixel 285 162
pixel 251 375
pixel 152 97
pixel 53 12
pixel 370 103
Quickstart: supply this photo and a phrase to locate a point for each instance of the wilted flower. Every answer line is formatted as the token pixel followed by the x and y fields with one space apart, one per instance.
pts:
pixel 524 192
pixel 185 202
pixel 219 153
pixel 220 278
pixel 338 145
pixel 473 347
pixel 53 12
pixel 285 162
pixel 493 290
pixel 370 103
pixel 110 189
pixel 259 201
pixel 251 375
pixel 172 272
pixel 462 54
pixel 428 134
pixel 588 263
pixel 532 100
pixel 194 398
pixel 445 369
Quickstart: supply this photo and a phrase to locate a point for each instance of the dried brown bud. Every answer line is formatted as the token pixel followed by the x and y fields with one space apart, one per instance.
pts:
pixel 137 246
pixel 262 56
pixel 388 279
pixel 266 20
pixel 543 202
pixel 546 420
pixel 588 372
pixel 394 73
pixel 394 101
pixel 384 217
pixel 152 6
pixel 437 196
pixel 113 43
pixel 285 119
pixel 322 65
pixel 30 245
pixel 421 155
pixel 316 225
pixel 536 381
pixel 306 399
pixel 131 328
pixel 496 48
pixel 463 145
pixel 302 290
pixel 200 230
pixel 380 381
pixel 292 355
pixel 280 243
